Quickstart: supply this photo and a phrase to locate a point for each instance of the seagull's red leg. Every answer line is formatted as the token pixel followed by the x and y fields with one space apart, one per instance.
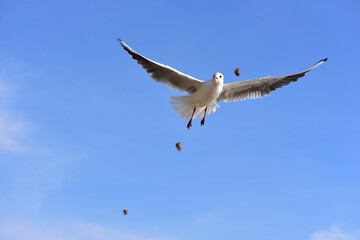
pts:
pixel 190 122
pixel 203 120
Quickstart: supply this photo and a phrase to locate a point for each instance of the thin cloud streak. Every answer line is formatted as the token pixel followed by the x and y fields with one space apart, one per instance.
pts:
pixel 12 129
pixel 336 233
pixel 10 132
pixel 75 231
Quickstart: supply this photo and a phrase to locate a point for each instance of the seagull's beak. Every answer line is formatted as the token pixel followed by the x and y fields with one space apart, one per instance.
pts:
pixel 215 78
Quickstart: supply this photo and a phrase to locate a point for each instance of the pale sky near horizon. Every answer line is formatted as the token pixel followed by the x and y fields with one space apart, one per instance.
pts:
pixel 85 133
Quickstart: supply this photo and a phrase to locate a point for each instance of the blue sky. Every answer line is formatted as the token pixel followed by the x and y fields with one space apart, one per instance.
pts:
pixel 85 133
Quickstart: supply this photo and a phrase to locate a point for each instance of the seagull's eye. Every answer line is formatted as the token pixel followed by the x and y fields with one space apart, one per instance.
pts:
pixel 220 76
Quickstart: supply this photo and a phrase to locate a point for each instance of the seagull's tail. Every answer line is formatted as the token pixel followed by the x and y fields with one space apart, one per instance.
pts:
pixel 185 109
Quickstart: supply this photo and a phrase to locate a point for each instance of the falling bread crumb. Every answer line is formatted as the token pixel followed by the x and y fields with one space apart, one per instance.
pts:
pixel 237 72
pixel 125 211
pixel 178 146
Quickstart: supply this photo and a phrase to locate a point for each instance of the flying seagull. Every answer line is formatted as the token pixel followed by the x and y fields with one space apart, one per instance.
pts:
pixel 204 95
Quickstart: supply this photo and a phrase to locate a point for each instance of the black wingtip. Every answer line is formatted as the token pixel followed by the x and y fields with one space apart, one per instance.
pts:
pixel 322 60
pixel 119 40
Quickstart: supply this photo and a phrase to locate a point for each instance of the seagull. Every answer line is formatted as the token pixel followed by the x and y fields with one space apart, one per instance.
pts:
pixel 203 96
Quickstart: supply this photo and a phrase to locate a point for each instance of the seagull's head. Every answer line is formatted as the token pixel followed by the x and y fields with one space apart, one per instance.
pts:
pixel 218 77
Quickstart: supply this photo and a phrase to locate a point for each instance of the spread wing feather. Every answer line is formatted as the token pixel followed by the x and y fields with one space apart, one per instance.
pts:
pixel 259 87
pixel 165 74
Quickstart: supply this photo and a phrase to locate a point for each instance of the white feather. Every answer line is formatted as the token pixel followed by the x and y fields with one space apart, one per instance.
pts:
pixel 184 108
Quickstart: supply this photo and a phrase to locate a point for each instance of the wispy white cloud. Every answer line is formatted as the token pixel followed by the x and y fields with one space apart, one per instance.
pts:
pixel 10 133
pixel 336 233
pixel 75 231
pixel 12 129
pixel 22 231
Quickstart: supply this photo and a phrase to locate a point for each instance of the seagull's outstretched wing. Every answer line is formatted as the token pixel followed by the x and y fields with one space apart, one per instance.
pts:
pixel 165 74
pixel 259 87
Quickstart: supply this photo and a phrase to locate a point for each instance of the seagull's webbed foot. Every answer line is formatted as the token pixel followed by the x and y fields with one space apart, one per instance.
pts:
pixel 189 124
pixel 203 120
